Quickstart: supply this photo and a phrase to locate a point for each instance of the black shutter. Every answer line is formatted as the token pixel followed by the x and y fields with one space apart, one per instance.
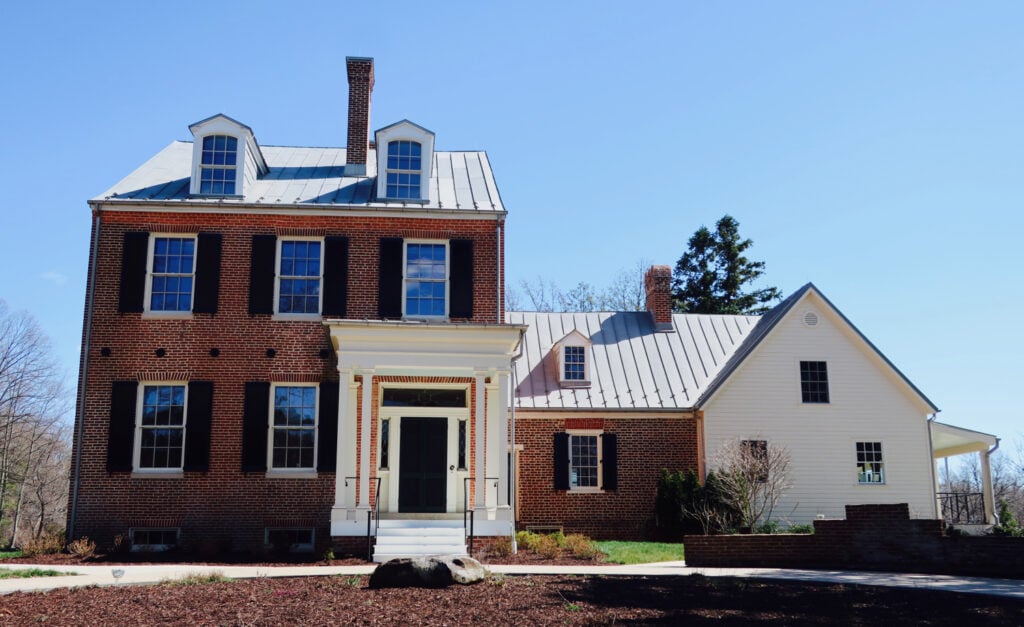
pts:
pixel 197 426
pixel 255 422
pixel 609 462
pixel 133 271
pixel 261 274
pixel 327 436
pixel 462 278
pixel 335 276
pixel 207 273
pixel 389 288
pixel 561 457
pixel 121 437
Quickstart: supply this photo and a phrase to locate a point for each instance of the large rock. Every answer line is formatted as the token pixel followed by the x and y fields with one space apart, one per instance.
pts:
pixel 427 572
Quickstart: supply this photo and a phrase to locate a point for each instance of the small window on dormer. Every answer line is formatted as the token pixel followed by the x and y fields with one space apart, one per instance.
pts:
pixel 574 364
pixel 404 169
pixel 217 168
pixel 573 355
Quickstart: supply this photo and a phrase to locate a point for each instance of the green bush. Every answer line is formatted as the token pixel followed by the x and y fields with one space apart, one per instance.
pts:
pixel 1006 524
pixel 808 528
pixel 769 526
pixel 682 505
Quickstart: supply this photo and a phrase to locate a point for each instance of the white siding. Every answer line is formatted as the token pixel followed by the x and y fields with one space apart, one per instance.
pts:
pixel 868 403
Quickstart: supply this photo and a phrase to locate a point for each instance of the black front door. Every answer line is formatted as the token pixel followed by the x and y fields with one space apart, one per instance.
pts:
pixel 423 455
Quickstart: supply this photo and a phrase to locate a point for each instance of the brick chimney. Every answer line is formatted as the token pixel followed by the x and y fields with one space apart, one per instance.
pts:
pixel 360 86
pixel 658 284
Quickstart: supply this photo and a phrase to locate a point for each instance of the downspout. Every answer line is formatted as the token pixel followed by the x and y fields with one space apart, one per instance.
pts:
pixel 514 382
pixel 83 375
pixel 499 275
pixel 931 464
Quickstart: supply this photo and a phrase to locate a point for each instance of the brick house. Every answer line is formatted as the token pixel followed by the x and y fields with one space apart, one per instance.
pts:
pixel 283 342
pixel 604 400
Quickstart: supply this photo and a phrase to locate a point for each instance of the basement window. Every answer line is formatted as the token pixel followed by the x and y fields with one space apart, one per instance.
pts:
pixel 291 540
pixel 153 539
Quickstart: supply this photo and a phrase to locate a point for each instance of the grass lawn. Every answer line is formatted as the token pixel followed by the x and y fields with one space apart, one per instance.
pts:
pixel 9 554
pixel 25 573
pixel 640 552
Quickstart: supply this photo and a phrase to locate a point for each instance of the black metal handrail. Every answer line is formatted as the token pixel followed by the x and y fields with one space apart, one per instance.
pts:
pixel 470 514
pixel 374 515
pixel 962 508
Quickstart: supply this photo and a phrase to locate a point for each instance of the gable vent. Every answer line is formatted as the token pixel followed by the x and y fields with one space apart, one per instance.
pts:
pixel 811 319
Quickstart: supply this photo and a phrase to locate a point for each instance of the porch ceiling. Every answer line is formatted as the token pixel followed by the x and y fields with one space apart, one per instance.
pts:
pixel 948 440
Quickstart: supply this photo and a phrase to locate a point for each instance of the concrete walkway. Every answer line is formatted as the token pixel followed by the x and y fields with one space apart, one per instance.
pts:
pixel 90 575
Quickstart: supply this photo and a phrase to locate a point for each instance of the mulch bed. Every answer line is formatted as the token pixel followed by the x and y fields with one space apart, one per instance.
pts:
pixel 533 600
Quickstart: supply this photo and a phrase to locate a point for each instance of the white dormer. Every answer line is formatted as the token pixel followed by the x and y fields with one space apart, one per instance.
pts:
pixel 574 356
pixel 225 157
pixel 405 153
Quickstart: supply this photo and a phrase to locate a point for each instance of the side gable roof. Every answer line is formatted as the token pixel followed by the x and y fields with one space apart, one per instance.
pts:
pixel 771 320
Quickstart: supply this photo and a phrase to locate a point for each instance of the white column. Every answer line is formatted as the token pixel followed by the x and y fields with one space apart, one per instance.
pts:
pixel 501 401
pixel 364 440
pixel 987 495
pixel 346 440
pixel 480 459
pixel 495 447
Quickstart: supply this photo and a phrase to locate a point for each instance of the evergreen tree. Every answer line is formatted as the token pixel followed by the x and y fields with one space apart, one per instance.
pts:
pixel 711 275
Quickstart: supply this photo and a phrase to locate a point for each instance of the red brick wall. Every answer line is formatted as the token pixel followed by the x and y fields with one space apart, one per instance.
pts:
pixel 223 506
pixel 645 446
pixel 873 537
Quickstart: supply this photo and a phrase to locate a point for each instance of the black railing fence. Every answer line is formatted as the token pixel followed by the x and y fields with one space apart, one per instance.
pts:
pixel 962 508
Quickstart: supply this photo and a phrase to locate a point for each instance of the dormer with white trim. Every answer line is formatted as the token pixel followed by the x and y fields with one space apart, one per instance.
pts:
pixel 225 158
pixel 405 154
pixel 574 356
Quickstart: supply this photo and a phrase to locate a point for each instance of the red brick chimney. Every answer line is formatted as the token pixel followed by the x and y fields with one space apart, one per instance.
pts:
pixel 658 284
pixel 360 86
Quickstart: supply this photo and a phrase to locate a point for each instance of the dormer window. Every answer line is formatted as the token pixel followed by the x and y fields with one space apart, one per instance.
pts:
pixel 218 166
pixel 404 169
pixel 405 153
pixel 573 352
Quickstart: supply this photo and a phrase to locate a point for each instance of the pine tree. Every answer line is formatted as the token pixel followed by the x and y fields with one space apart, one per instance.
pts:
pixel 711 275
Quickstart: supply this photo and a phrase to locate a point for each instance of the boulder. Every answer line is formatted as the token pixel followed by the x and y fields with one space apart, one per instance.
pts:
pixel 427 572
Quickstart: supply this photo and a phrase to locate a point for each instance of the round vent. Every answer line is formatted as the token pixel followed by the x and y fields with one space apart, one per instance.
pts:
pixel 811 319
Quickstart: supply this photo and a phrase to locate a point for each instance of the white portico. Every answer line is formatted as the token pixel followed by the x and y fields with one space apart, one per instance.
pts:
pixel 423 410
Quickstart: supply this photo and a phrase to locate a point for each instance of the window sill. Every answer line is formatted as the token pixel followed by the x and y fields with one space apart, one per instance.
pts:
pixel 574 384
pixel 585 491
pixel 158 474
pixel 216 196
pixel 167 315
pixel 296 317
pixel 291 474
pixel 410 201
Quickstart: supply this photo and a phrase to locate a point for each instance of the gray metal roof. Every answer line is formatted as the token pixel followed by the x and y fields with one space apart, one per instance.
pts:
pixel 316 177
pixel 633 366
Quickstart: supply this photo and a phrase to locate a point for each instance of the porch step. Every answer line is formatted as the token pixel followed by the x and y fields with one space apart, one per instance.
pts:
pixel 417 538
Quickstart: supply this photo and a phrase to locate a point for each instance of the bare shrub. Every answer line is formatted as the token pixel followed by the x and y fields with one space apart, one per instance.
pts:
pixel 45 544
pixel 82 548
pixel 581 546
pixel 752 475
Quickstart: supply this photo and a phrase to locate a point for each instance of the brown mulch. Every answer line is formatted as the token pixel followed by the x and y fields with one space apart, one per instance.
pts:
pixel 534 600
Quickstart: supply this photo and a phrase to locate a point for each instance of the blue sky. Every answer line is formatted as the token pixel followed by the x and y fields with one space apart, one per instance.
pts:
pixel 874 148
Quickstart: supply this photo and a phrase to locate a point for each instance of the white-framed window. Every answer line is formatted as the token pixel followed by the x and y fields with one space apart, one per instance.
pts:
pixel 573 352
pixel 404 169
pixel 218 165
pixel 870 465
pixel 170 276
pixel 814 381
pixel 385 443
pixel 298 289
pixel 160 427
pixel 425 289
pixel 584 460
pixel 153 539
pixel 293 427
pixel 292 540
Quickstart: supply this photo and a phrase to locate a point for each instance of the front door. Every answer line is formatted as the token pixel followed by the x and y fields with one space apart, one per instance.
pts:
pixel 423 455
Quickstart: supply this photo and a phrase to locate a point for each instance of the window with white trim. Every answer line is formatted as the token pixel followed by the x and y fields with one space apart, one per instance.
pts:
pixel 584 461
pixel 293 427
pixel 170 280
pixel 573 367
pixel 814 381
pixel 404 169
pixel 870 466
pixel 574 363
pixel 299 276
pixel 218 165
pixel 425 293
pixel 160 441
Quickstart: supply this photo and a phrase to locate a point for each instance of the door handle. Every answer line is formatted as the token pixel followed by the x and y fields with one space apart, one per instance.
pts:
pixel 452 467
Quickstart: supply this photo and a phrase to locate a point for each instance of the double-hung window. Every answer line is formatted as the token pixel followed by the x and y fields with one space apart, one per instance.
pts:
pixel 218 165
pixel 172 270
pixel 870 467
pixel 574 363
pixel 293 427
pixel 814 381
pixel 584 461
pixel 426 279
pixel 404 169
pixel 161 427
pixel 300 272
